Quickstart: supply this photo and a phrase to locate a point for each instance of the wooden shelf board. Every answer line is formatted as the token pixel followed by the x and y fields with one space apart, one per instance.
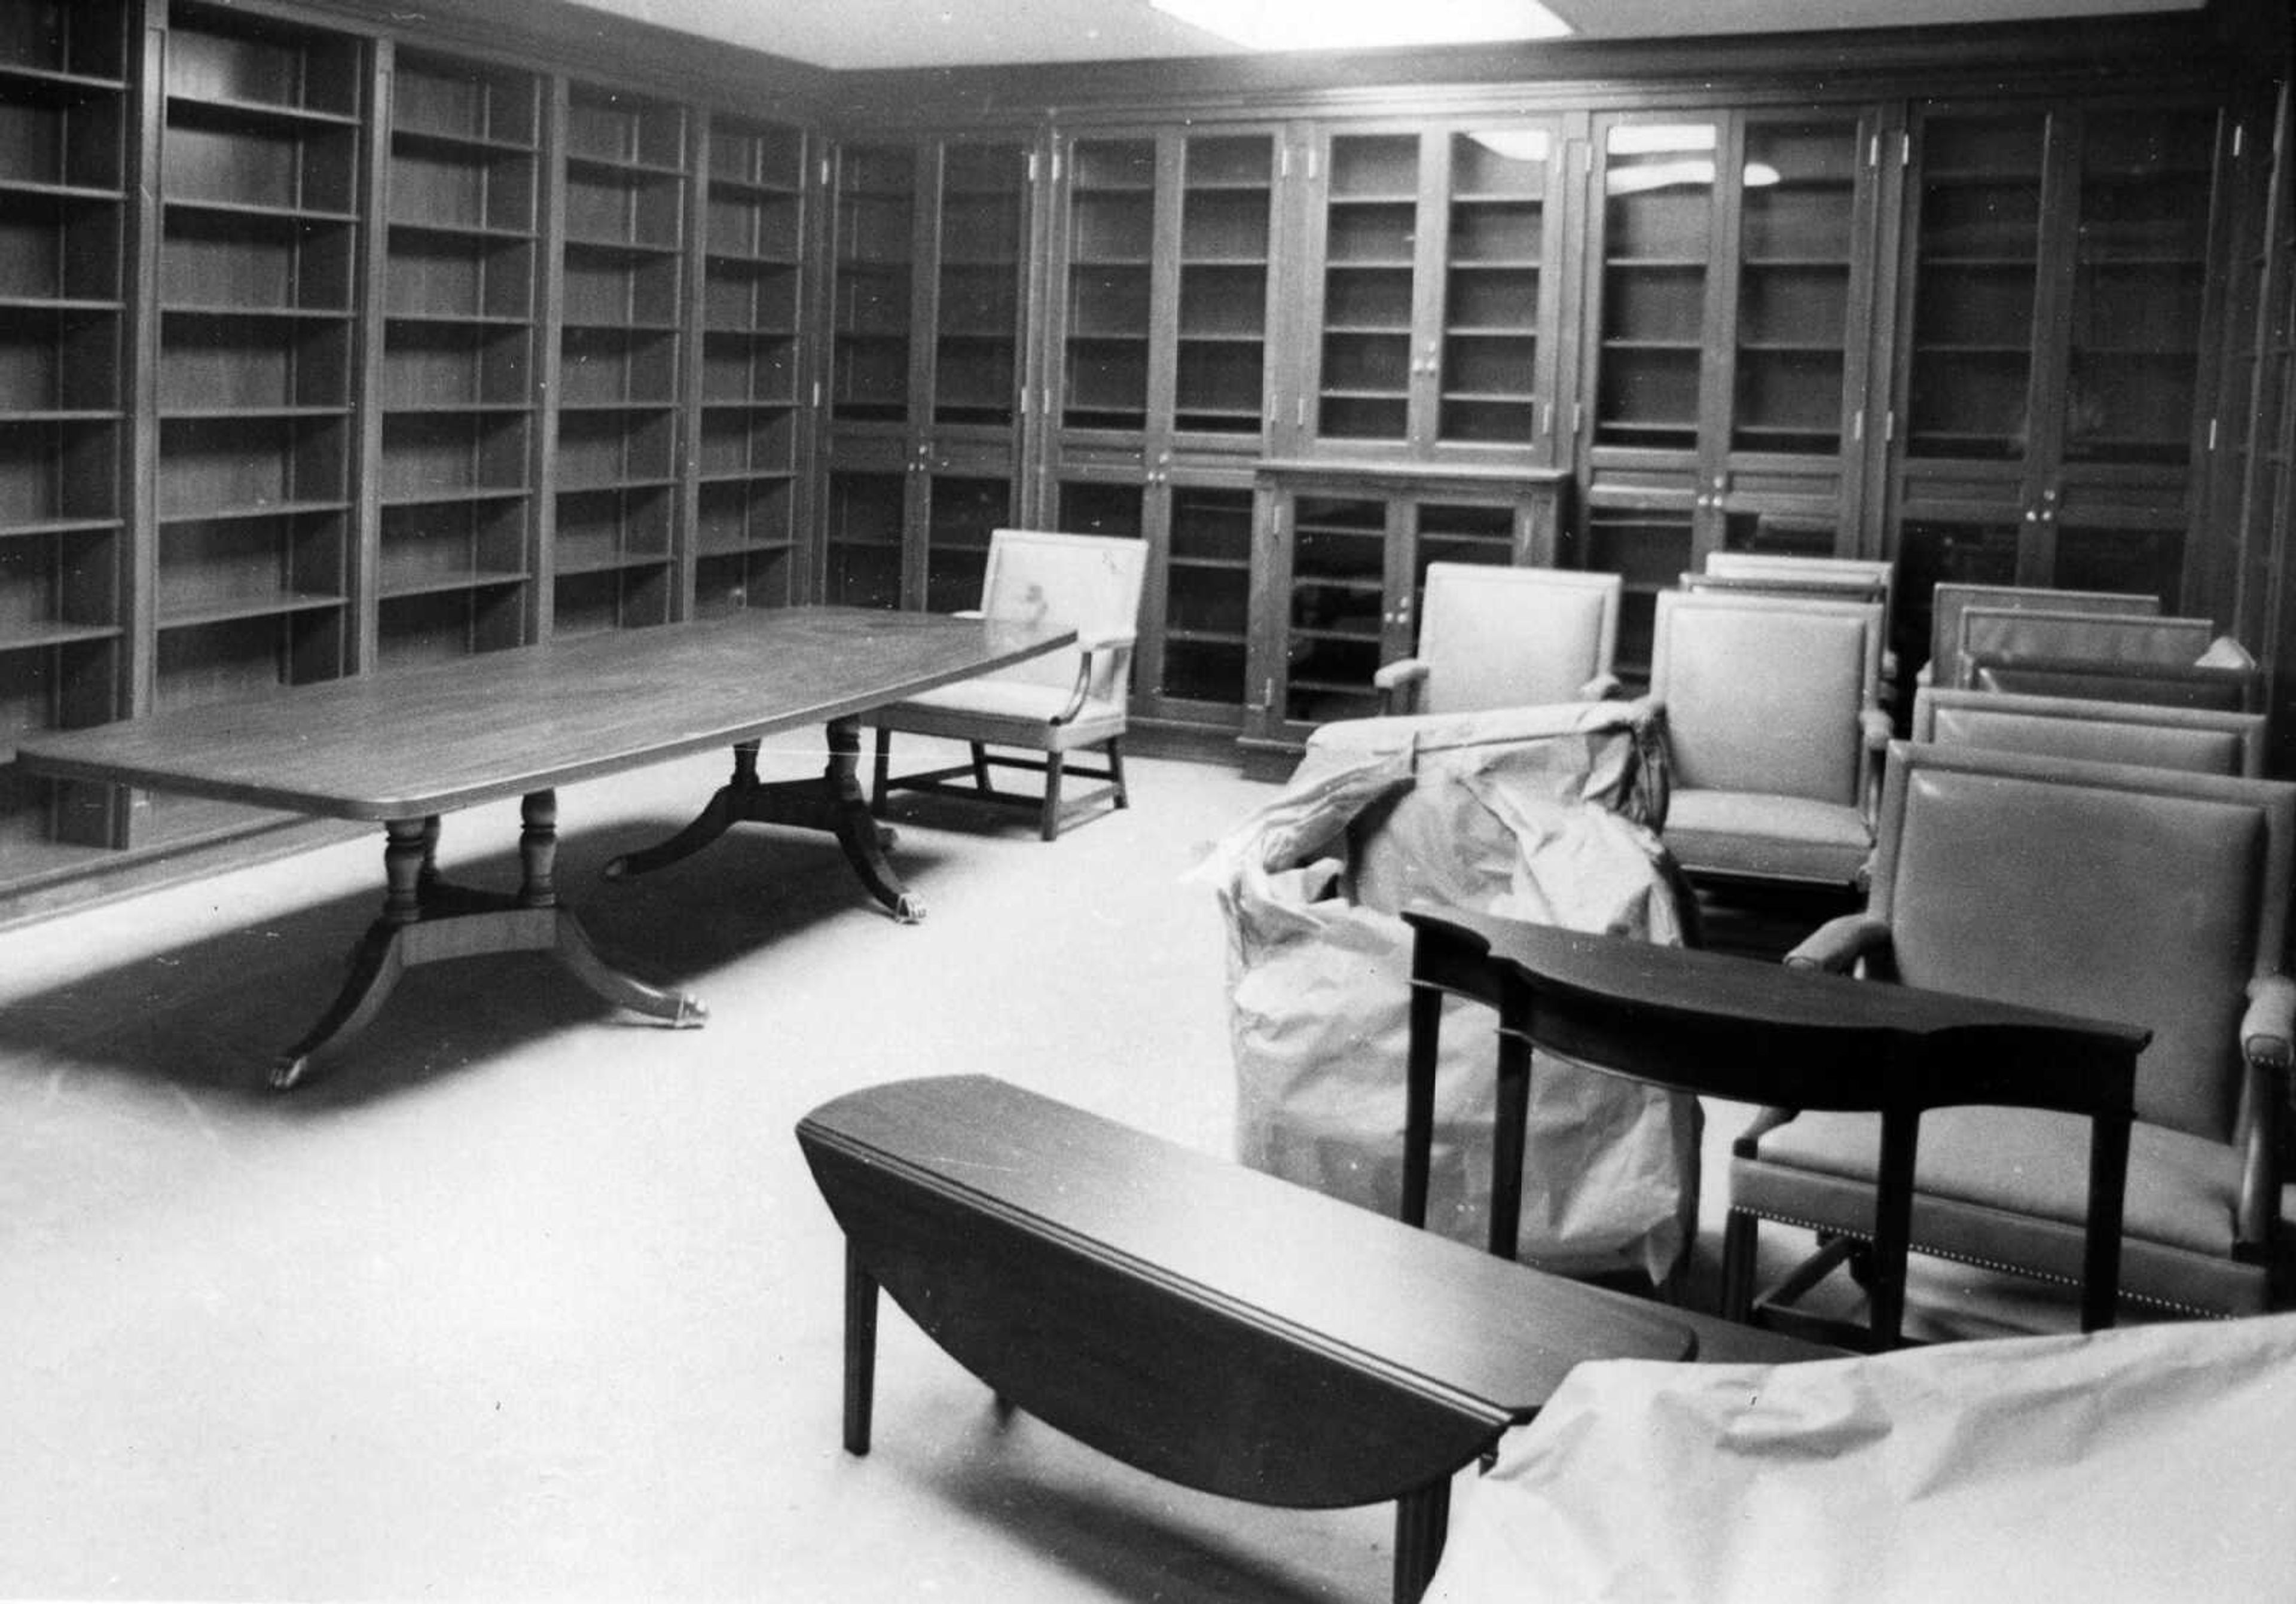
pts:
pixel 31 529
pixel 459 140
pixel 249 513
pixel 404 590
pixel 468 493
pixel 611 565
pixel 39 637
pixel 280 604
pixel 462 231
pixel 234 108
pixel 252 211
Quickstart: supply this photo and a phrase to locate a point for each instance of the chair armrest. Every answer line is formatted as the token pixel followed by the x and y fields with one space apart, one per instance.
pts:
pixel 1117 644
pixel 968 612
pixel 2267 1030
pixel 1747 1143
pixel 1839 945
pixel 1875 728
pixel 1111 640
pixel 1603 687
pixel 1399 685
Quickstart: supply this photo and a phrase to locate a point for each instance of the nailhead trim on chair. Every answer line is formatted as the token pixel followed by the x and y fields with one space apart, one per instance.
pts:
pixel 2166 1305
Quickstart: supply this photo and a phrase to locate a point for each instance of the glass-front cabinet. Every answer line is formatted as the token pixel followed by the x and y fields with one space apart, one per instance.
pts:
pixel 2054 301
pixel 1166 309
pixel 1431 289
pixel 1728 341
pixel 930 246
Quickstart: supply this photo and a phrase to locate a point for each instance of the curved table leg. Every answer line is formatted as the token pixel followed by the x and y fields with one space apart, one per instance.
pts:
pixel 573 948
pixel 376 964
pixel 720 813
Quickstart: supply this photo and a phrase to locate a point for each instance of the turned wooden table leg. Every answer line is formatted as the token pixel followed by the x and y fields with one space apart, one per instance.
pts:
pixel 409 848
pixel 857 828
pixel 538 851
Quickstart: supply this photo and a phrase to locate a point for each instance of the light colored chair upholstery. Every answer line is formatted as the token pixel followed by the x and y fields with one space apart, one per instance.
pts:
pixel 1949 598
pixel 2149 895
pixel 1840 579
pixel 1506 637
pixel 1064 701
pixel 2202 740
pixel 1773 730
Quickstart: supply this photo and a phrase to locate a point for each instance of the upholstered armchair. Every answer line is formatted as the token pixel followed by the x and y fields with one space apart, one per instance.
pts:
pixel 1774 731
pixel 1949 598
pixel 1506 637
pixel 1063 702
pixel 2149 895
pixel 2204 740
pixel 1837 578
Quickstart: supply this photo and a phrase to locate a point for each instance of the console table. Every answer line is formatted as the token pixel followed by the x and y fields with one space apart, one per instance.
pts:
pixel 405 748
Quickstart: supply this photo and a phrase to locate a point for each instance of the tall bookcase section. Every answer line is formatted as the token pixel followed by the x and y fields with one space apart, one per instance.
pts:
pixel 754 417
pixel 1164 313
pixel 63 423
pixel 1728 342
pixel 615 552
pixel 457 515
pixel 2055 295
pixel 931 251
pixel 261 191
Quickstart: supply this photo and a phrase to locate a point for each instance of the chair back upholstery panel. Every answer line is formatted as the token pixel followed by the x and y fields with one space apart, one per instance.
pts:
pixel 2134 894
pixel 1763 694
pixel 1513 637
pixel 2201 742
pixel 1950 598
pixel 1088 582
pixel 1999 632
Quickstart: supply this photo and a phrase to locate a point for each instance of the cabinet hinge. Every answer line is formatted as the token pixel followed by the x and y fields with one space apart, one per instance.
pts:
pixel 1888 427
pixel 2239 134
pixel 1858 426
pixel 1300 413
pixel 1578 419
pixel 1313 166
pixel 1905 150
pixel 1874 151
pixel 1024 400
pixel 2212 434
pixel 817 392
pixel 824 172
pixel 1032 166
pixel 1283 161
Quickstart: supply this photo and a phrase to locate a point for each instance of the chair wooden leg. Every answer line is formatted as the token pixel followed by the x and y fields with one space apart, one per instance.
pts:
pixel 1049 826
pixel 1116 770
pixel 981 780
pixel 1738 1244
pixel 882 776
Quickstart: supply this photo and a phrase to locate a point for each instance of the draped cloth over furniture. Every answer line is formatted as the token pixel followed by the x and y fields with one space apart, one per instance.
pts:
pixel 1775 731
pixel 1067 702
pixel 2148 895
pixel 1527 811
pixel 2153 1463
pixel 1506 637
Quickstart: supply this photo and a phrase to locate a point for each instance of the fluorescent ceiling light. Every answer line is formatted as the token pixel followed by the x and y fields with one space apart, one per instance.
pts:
pixel 1365 24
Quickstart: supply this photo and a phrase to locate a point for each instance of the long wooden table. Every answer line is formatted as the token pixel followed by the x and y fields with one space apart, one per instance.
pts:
pixel 1212 1325
pixel 405 748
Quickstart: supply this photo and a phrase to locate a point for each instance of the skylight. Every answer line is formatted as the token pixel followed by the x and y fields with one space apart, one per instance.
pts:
pixel 1367 24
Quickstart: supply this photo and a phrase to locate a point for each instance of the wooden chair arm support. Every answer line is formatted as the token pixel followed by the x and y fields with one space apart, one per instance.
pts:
pixel 1839 945
pixel 2267 1030
pixel 1747 1143
pixel 1399 685
pixel 1603 687
pixel 968 612
pixel 1118 646
pixel 1873 727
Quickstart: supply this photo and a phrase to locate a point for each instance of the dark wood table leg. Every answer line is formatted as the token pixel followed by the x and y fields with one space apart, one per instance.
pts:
pixel 834 803
pixel 426 919
pixel 1426 1029
pixel 1422 1520
pixel 1510 1133
pixel 860 1353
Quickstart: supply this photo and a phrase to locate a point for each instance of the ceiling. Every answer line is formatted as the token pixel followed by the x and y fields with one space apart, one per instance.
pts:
pixel 852 34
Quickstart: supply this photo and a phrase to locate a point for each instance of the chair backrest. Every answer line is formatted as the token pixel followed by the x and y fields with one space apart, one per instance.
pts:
pixel 1512 637
pixel 2223 687
pixel 2149 895
pixel 2127 640
pixel 2202 741
pixel 1949 597
pixel 1088 582
pixel 1854 578
pixel 1763 694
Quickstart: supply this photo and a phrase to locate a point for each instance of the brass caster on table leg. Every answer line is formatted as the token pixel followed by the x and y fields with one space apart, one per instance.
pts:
pixel 909 910
pixel 286 1071
pixel 692 1013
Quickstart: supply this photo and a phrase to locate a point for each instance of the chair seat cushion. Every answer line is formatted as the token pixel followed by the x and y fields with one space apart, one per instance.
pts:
pixel 1755 833
pixel 1001 711
pixel 2009 1187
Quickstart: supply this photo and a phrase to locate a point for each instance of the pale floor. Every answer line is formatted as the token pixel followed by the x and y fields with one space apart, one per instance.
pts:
pixel 527 1299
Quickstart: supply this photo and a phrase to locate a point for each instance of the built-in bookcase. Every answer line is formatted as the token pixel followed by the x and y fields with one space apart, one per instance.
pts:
pixel 64 425
pixel 875 264
pixel 456 513
pixel 615 556
pixel 747 530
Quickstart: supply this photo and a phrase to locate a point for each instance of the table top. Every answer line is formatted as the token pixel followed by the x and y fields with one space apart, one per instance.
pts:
pixel 1808 1037
pixel 406 744
pixel 1424 1313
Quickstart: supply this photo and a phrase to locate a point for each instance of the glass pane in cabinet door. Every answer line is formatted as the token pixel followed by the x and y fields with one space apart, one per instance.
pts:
pixel 1208 603
pixel 1338 588
pixel 1228 200
pixel 2139 270
pixel 1111 246
pixel 983 238
pixel 876 199
pixel 1089 507
pixel 1370 236
pixel 1976 266
pixel 864 549
pixel 2138 562
pixel 962 512
pixel 1797 204
pixel 1491 287
pixel 1658 214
